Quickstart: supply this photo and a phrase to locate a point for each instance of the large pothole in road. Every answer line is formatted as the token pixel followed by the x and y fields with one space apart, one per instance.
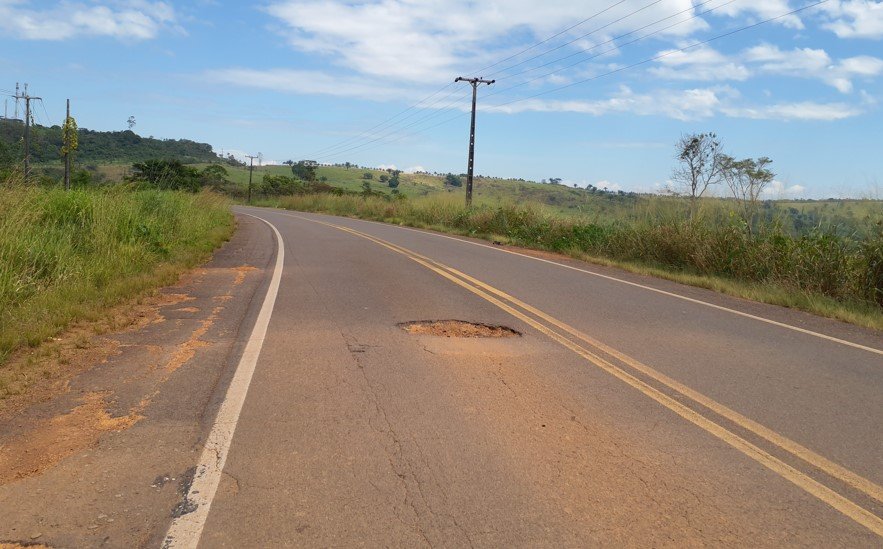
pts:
pixel 457 328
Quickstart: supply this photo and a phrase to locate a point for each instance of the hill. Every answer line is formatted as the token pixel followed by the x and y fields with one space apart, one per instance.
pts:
pixel 102 147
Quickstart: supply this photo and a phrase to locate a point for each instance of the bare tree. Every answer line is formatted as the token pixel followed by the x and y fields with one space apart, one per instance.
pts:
pixel 700 166
pixel 747 180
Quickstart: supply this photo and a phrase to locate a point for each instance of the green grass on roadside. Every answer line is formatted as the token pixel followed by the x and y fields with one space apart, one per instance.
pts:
pixel 820 272
pixel 68 256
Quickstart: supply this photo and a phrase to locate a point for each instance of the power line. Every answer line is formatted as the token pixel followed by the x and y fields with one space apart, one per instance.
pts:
pixel 556 35
pixel 612 72
pixel 384 122
pixel 619 46
pixel 664 54
pixel 431 115
pixel 368 133
pixel 556 48
pixel 324 150
pixel 332 151
pixel 615 38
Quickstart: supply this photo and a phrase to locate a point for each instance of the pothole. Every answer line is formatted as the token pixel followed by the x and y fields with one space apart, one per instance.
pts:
pixel 457 328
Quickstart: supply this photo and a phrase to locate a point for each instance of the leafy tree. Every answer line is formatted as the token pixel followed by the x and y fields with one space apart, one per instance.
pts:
pixel 747 180
pixel 347 165
pixel 367 175
pixel 305 170
pixel 700 167
pixel 277 185
pixel 383 178
pixel 394 179
pixel 453 180
pixel 366 189
pixel 130 123
pixel 214 175
pixel 166 174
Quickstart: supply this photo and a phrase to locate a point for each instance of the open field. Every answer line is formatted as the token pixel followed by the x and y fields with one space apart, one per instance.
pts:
pixel 66 257
pixel 843 216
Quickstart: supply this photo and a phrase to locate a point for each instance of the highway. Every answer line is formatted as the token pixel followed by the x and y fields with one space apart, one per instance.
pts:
pixel 622 415
pixel 624 410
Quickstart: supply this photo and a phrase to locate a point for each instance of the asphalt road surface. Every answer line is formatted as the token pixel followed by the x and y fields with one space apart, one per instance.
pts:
pixel 628 410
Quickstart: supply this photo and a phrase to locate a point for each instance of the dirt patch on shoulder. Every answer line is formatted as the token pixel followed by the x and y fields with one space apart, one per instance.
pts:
pixel 457 328
pixel 59 437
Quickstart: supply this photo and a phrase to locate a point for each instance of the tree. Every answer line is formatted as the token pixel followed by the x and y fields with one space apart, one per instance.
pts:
pixel 555 180
pixel 383 178
pixel 131 123
pixel 700 158
pixel 305 170
pixel 366 189
pixel 394 179
pixel 453 180
pixel 347 165
pixel 747 180
pixel 213 175
pixel 166 174
pixel 367 175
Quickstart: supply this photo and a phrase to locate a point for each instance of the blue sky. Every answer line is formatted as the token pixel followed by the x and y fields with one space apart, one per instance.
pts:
pixel 309 79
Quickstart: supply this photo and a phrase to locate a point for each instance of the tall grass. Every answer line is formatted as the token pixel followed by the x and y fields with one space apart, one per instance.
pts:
pixel 65 256
pixel 819 271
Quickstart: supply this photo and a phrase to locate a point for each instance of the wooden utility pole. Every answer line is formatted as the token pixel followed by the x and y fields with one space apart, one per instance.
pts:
pixel 67 148
pixel 469 168
pixel 250 171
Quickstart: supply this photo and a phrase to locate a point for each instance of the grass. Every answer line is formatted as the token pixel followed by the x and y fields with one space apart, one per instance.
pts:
pixel 70 256
pixel 820 272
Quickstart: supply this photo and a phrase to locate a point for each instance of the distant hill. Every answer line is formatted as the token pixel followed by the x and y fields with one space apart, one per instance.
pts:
pixel 103 147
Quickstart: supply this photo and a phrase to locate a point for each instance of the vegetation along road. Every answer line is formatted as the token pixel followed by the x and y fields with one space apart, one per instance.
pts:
pixel 330 382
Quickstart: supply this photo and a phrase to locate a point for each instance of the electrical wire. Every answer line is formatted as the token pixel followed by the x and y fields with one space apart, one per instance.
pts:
pixel 617 47
pixel 324 151
pixel 612 72
pixel 662 55
pixel 578 38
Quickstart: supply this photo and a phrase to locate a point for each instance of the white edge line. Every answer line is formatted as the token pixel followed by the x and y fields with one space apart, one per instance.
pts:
pixel 186 530
pixel 635 284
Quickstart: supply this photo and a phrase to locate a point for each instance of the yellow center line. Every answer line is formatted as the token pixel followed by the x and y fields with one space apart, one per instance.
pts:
pixel 845 506
pixel 835 470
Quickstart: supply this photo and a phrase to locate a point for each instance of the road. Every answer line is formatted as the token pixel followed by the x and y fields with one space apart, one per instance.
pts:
pixel 627 411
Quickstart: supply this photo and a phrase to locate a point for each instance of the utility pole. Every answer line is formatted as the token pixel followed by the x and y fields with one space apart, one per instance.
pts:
pixel 67 148
pixel 27 99
pixel 250 171
pixel 475 82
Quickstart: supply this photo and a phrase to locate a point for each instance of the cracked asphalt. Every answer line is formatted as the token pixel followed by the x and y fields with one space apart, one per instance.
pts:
pixel 355 432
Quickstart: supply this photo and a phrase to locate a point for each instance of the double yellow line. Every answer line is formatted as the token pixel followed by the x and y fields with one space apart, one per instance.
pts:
pixel 591 350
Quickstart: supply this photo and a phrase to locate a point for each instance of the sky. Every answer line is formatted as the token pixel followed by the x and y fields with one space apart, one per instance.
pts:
pixel 592 92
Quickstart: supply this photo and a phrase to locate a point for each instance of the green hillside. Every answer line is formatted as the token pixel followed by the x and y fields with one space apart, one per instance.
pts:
pixel 101 147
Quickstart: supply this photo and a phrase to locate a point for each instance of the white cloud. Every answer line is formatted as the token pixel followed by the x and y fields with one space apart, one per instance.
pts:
pixel 418 41
pixel 763 10
pixel 692 104
pixel 125 20
pixel 604 184
pixel 679 104
pixel 804 110
pixel 415 169
pixel 308 82
pixel 386 167
pixel 707 64
pixel 778 189
pixel 855 18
